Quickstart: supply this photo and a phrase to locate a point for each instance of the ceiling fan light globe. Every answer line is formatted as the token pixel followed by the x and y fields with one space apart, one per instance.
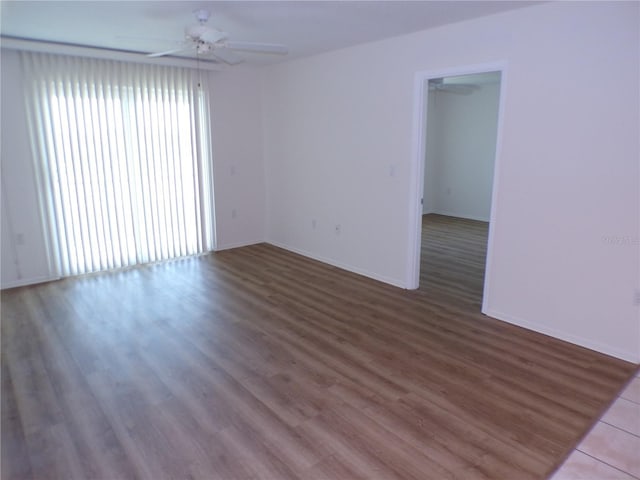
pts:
pixel 202 15
pixel 204 48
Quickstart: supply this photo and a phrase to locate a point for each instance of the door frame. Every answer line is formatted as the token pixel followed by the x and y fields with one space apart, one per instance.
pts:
pixel 416 193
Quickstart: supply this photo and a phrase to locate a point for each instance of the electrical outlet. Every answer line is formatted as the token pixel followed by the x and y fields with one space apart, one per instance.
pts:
pixel 19 238
pixel 338 229
pixel 234 214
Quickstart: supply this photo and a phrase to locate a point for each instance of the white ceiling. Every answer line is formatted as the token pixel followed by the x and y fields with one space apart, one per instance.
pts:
pixel 306 27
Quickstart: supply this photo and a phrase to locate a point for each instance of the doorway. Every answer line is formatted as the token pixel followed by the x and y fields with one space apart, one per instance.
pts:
pixel 458 120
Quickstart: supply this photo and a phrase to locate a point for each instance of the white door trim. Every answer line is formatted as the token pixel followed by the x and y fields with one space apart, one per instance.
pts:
pixel 416 190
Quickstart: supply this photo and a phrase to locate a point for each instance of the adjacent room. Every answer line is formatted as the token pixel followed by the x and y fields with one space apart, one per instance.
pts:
pixel 320 240
pixel 459 156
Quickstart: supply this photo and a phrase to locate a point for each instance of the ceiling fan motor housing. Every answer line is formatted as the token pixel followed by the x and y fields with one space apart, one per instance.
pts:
pixel 204 33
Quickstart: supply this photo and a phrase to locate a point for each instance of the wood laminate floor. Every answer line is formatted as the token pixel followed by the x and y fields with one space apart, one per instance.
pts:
pixel 258 363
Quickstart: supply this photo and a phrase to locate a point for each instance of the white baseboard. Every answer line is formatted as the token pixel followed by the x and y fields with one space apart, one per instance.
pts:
pixel 458 215
pixel 229 246
pixel 633 357
pixel 344 266
pixel 23 282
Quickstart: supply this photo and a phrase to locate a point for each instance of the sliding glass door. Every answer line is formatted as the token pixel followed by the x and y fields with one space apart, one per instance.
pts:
pixel 124 161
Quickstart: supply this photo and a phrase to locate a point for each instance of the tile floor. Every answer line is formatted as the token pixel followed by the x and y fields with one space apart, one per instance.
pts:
pixel 611 450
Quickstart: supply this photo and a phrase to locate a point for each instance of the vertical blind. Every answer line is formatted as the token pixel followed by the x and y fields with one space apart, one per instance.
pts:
pixel 124 160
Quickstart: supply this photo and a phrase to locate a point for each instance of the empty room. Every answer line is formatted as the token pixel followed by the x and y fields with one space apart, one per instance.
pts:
pixel 320 240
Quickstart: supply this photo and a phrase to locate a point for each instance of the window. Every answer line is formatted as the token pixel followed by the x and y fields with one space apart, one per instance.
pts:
pixel 124 161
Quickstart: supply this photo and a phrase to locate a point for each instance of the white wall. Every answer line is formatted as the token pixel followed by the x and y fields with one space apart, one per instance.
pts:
pixel 9 255
pixel 338 149
pixel 24 256
pixel 237 157
pixel 461 139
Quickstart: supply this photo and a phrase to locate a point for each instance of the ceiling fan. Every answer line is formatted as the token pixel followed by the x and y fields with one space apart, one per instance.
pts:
pixel 206 40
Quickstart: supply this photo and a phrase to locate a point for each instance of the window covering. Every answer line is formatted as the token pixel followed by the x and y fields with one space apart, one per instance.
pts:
pixel 123 155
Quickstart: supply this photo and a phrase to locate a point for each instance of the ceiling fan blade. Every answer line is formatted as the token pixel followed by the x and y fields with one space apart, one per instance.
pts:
pixel 140 38
pixel 227 56
pixel 167 52
pixel 211 35
pixel 258 47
